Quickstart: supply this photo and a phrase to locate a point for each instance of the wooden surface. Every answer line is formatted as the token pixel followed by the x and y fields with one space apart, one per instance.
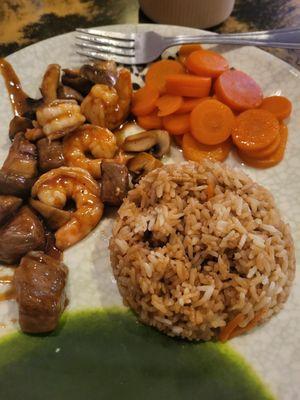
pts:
pixel 23 22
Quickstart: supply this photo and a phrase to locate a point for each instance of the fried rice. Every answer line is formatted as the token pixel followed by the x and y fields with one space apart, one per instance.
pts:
pixel 201 252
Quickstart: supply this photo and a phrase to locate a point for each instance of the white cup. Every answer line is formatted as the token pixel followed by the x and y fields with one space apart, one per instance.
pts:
pixel 196 13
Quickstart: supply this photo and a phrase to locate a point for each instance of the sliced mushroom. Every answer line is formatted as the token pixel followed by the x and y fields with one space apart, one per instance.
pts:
pixel 54 217
pixel 139 142
pixel 24 232
pixel 22 104
pixel 73 79
pixel 157 142
pixel 68 93
pixel 31 106
pixel 141 164
pixel 73 72
pixel 8 206
pixel 82 80
pixel 103 72
pixel 19 124
pixel 108 65
pixel 50 83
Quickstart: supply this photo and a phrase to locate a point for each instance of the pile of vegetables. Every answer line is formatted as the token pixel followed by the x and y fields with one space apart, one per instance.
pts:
pixel 210 108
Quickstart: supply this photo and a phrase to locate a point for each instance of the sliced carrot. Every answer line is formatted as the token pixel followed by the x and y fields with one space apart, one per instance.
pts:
pixel 206 63
pixel 271 160
pixel 238 90
pixel 255 130
pixel 211 122
pixel 189 104
pixel 265 152
pixel 150 121
pixel 252 324
pixel 188 85
pixel 168 104
pixel 158 71
pixel 230 327
pixel 185 50
pixel 144 101
pixel 280 106
pixel 195 151
pixel 178 140
pixel 177 124
pixel 210 190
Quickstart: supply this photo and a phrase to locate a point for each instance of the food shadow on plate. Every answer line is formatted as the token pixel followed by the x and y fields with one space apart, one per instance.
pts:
pixel 56 332
pixel 224 48
pixel 102 274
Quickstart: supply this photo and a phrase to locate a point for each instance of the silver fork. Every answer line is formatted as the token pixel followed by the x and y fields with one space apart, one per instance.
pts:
pixel 144 47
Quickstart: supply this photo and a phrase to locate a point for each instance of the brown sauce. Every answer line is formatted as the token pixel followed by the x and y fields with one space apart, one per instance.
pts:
pixel 18 97
pixel 6 279
pixel 21 104
pixel 8 295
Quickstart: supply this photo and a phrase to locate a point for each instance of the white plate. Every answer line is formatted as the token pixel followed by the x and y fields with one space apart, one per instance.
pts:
pixel 273 349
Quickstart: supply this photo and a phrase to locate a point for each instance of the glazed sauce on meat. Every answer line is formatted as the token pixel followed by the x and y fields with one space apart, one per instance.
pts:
pixel 54 252
pixel 16 94
pixel 50 248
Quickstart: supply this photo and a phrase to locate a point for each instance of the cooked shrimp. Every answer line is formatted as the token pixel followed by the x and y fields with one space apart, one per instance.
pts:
pixel 55 187
pixel 59 118
pixel 109 106
pixel 99 142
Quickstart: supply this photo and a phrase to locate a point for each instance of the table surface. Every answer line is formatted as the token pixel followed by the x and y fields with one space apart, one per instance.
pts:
pixel 23 22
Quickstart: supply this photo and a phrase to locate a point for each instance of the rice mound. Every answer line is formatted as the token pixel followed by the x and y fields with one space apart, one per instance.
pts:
pixel 197 246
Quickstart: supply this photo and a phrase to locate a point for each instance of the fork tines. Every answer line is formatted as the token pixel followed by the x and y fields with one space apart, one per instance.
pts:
pixel 116 46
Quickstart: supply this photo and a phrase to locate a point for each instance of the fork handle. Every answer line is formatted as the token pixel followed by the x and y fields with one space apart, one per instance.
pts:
pixel 282 38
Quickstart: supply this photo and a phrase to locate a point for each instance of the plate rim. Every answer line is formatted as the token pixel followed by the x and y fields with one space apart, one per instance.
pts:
pixel 294 71
pixel 293 74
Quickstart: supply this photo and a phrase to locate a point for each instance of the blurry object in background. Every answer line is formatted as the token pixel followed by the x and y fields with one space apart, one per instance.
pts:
pixel 196 13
